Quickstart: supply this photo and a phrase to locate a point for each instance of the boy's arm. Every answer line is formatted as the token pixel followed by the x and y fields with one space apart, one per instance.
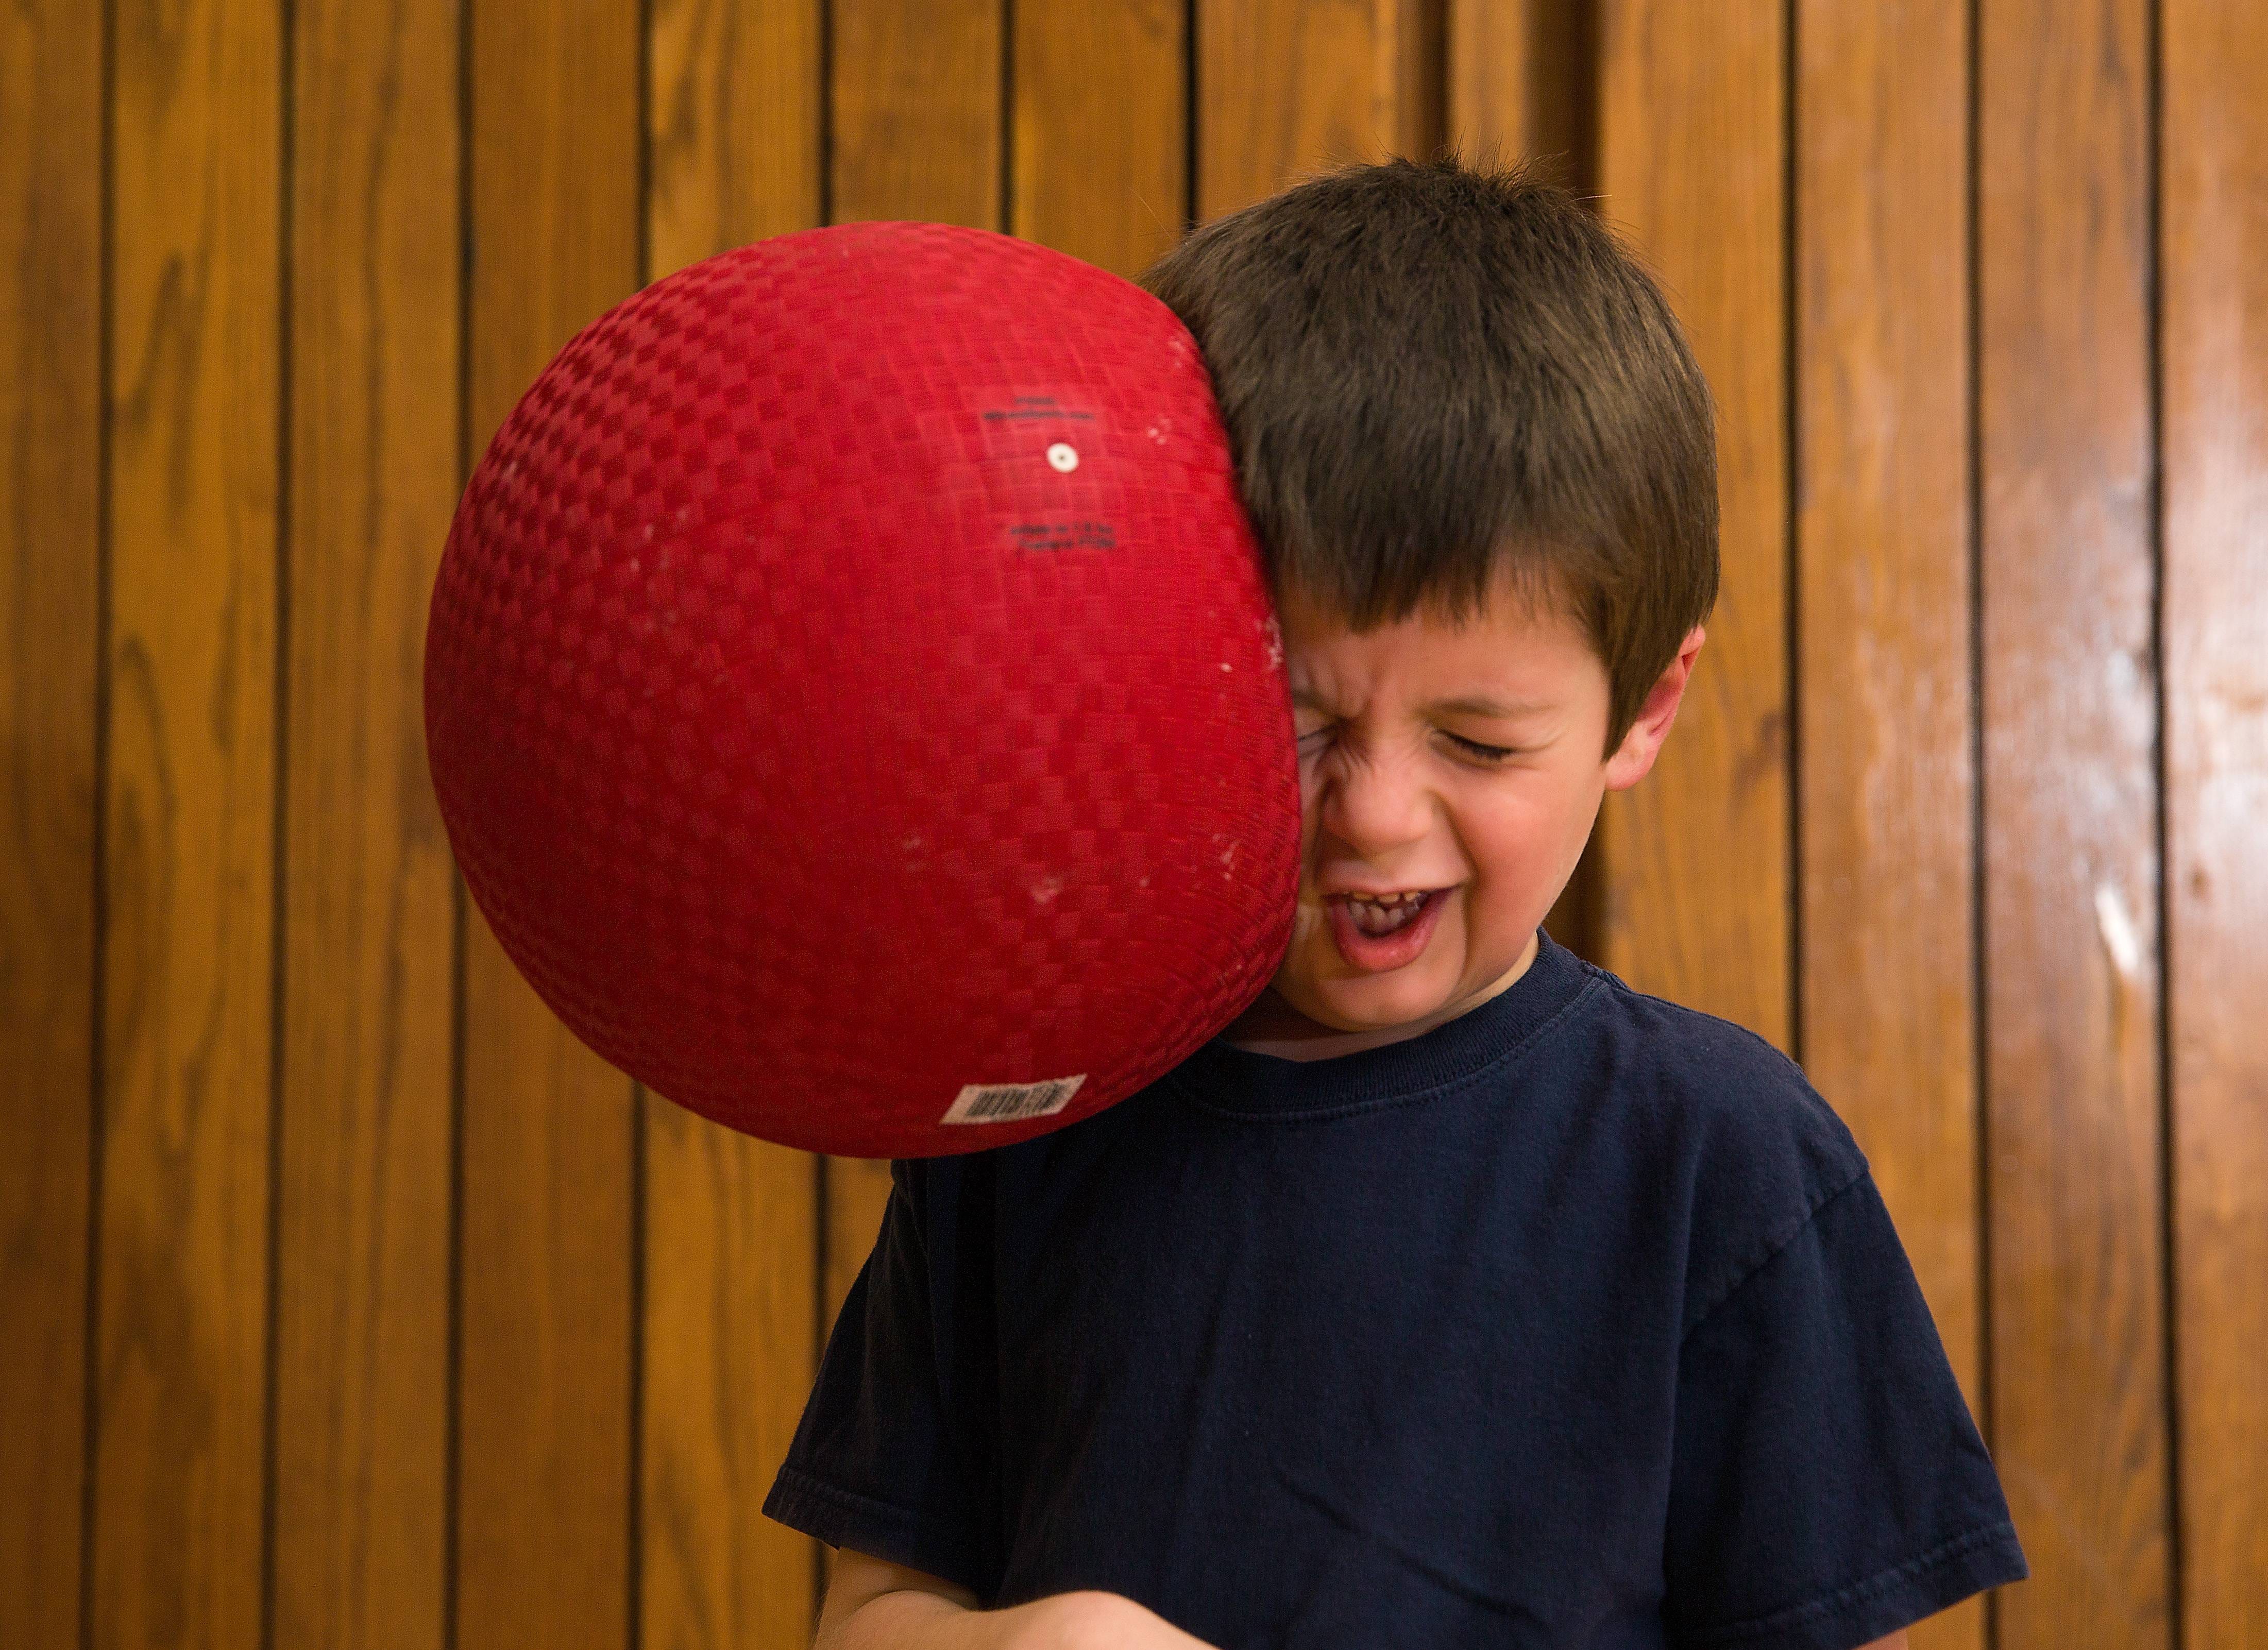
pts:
pixel 872 1604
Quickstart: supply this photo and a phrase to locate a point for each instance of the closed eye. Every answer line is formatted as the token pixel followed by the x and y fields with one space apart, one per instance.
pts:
pixel 1486 752
pixel 1489 754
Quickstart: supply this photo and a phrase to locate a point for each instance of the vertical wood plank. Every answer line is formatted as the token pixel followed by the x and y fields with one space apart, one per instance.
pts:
pixel 188 962
pixel 2215 333
pixel 918 117
pixel 364 1257
pixel 1883 555
pixel 732 125
pixel 917 134
pixel 732 1229
pixel 550 1131
pixel 1289 88
pixel 1523 80
pixel 2070 828
pixel 51 264
pixel 1099 155
pixel 1695 890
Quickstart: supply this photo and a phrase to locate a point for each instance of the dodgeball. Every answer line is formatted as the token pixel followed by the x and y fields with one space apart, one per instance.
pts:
pixel 853 698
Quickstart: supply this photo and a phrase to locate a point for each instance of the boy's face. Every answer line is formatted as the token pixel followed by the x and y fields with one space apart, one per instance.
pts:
pixel 1398 794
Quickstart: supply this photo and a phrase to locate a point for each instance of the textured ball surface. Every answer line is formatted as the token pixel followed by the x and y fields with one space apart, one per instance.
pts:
pixel 853 697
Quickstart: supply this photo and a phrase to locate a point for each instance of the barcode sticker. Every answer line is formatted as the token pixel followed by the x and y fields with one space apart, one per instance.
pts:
pixel 1011 1102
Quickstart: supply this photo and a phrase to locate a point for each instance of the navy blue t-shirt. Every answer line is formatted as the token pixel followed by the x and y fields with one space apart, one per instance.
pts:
pixel 1574 1321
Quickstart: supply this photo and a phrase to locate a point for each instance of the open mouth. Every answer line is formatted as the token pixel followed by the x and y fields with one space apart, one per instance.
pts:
pixel 1379 917
pixel 1376 935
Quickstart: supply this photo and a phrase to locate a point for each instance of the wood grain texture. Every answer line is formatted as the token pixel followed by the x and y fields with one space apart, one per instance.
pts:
pixel 1523 79
pixel 2070 827
pixel 363 1264
pixel 181 1390
pixel 1289 88
pixel 1883 556
pixel 730 1305
pixel 732 126
pixel 916 105
pixel 2215 334
pixel 732 1231
pixel 51 266
pixel 1100 157
pixel 1694 860
pixel 544 1515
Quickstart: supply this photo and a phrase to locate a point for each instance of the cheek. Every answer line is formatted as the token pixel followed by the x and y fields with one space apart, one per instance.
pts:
pixel 1535 836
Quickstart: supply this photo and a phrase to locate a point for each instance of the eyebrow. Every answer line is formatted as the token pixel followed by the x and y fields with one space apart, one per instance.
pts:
pixel 1469 705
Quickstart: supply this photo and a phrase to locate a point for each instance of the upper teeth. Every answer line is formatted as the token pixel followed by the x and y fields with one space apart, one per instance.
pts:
pixel 1386 899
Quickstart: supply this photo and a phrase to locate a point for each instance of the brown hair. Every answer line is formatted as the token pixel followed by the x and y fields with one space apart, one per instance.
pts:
pixel 1434 375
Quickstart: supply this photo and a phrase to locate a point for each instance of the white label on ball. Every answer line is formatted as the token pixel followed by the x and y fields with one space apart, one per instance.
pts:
pixel 1011 1102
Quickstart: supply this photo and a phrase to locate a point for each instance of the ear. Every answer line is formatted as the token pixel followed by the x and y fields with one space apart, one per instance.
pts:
pixel 1633 758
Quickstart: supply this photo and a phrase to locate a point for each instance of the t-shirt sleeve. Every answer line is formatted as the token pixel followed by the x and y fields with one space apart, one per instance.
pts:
pixel 1829 1486
pixel 886 1460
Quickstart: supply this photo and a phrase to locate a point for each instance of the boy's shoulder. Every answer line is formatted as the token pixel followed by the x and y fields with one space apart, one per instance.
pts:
pixel 1732 1128
pixel 1711 1074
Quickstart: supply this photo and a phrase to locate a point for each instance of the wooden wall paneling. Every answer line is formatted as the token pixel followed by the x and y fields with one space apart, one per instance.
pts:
pixel 549 1131
pixel 1522 84
pixel 916 111
pixel 1695 876
pixel 2063 271
pixel 1099 156
pixel 2213 241
pixel 731 1222
pixel 367 1125
pixel 918 117
pixel 52 253
pixel 1289 88
pixel 1522 80
pixel 732 126
pixel 1886 788
pixel 181 1388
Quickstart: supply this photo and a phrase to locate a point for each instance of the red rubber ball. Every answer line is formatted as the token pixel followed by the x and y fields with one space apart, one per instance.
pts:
pixel 853 697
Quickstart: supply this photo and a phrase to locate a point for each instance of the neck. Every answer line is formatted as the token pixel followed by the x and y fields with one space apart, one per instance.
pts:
pixel 1272 1026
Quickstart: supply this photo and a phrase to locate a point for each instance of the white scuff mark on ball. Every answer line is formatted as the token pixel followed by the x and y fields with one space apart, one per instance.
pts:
pixel 1064 456
pixel 1045 889
pixel 1226 666
pixel 649 533
pixel 1229 856
pixel 1274 634
pixel 1145 882
pixel 911 842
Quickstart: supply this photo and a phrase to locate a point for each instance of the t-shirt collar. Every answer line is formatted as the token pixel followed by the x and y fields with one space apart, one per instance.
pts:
pixel 1228 1078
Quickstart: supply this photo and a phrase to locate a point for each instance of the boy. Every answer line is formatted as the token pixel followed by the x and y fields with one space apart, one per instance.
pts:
pixel 1456 1295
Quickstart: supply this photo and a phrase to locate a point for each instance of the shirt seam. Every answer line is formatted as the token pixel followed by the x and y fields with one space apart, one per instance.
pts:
pixel 1347 1109
pixel 1857 1591
pixel 1771 1255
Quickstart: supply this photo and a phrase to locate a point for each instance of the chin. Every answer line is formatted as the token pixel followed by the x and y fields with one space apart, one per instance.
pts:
pixel 1373 1009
